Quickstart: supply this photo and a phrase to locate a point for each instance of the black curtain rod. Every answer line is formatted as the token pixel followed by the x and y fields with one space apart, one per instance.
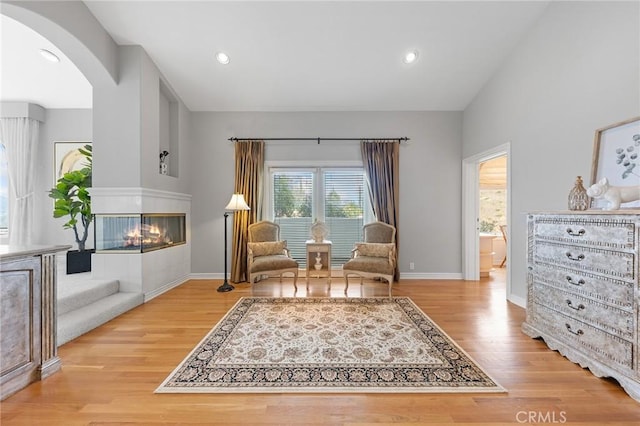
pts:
pixel 402 139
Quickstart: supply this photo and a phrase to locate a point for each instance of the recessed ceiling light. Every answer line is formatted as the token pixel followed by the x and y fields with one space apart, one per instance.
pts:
pixel 49 56
pixel 410 57
pixel 222 57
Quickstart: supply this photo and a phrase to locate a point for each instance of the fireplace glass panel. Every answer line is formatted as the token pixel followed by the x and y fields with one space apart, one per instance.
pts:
pixel 138 233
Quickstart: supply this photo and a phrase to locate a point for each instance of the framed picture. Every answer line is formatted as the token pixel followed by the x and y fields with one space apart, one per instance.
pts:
pixel 616 156
pixel 66 158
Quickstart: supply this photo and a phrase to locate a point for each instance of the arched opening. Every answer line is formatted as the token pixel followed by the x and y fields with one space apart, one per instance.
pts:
pixel 57 99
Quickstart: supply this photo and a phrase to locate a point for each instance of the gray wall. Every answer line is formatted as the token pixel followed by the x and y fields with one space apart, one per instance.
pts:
pixel 575 72
pixel 126 129
pixel 61 125
pixel 430 175
pixel 150 134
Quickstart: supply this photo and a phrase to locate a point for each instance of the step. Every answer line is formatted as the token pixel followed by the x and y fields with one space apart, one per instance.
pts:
pixel 79 321
pixel 77 291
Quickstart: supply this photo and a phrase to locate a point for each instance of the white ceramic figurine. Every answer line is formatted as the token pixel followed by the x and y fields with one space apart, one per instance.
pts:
pixel 614 195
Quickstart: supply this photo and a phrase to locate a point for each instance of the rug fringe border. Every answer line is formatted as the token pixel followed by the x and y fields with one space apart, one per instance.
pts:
pixel 175 370
pixel 201 390
pixel 452 341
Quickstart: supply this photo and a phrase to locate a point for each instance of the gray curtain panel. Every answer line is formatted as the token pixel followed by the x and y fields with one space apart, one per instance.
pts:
pixel 381 160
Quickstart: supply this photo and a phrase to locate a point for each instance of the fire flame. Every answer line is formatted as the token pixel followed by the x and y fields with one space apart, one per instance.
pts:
pixel 150 235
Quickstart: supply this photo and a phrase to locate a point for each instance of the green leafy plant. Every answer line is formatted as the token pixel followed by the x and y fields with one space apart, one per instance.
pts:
pixel 72 199
pixel 487 225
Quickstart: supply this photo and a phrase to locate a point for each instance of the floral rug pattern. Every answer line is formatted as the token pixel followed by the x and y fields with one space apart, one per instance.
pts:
pixel 327 345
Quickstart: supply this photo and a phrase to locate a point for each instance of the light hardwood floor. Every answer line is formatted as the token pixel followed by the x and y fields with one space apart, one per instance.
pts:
pixel 109 375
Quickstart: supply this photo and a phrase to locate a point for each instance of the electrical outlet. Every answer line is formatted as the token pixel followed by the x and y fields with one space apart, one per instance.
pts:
pixel 412 266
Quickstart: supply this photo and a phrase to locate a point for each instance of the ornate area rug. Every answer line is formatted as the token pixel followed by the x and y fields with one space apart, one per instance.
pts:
pixel 327 345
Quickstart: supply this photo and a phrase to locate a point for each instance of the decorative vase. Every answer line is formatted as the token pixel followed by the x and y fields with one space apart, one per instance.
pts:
pixel 318 264
pixel 578 198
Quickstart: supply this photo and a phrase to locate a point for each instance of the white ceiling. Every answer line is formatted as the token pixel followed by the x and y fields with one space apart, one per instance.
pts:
pixel 25 76
pixel 293 56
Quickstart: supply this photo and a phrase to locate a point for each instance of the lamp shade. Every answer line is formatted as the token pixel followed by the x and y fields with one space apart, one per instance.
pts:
pixel 237 203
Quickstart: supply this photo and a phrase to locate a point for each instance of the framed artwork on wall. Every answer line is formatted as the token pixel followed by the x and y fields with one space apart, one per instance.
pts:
pixel 66 158
pixel 616 157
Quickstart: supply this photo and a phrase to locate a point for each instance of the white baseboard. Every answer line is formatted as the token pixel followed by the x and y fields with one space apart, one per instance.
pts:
pixel 517 300
pixel 157 292
pixel 338 273
pixel 430 275
pixel 403 275
pixel 206 276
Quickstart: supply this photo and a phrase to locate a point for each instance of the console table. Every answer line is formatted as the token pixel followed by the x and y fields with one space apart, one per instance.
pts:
pixel 319 260
pixel 28 344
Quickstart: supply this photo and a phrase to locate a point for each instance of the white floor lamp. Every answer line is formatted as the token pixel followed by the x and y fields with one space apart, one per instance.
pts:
pixel 237 203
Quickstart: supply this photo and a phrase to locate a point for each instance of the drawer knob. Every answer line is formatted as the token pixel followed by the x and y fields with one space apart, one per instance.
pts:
pixel 571 281
pixel 576 308
pixel 577 258
pixel 573 233
pixel 578 332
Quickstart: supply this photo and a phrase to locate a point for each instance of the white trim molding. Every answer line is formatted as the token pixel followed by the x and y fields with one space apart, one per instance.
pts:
pixel 206 276
pixel 301 275
pixel 430 276
pixel 517 300
pixel 470 208
pixel 138 200
pixel 22 110
pixel 158 291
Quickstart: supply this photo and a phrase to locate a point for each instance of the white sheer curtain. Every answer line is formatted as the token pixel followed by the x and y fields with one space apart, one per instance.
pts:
pixel 20 139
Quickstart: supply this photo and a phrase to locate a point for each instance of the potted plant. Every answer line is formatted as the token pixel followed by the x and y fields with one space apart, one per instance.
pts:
pixel 72 200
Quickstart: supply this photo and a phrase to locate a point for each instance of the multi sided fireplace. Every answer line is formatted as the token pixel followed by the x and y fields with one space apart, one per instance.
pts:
pixel 138 233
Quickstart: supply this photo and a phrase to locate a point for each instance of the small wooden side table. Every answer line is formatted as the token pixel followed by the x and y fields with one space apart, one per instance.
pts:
pixel 319 260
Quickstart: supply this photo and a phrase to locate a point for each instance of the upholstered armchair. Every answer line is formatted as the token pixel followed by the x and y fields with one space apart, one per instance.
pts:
pixel 267 254
pixel 373 259
pixel 379 232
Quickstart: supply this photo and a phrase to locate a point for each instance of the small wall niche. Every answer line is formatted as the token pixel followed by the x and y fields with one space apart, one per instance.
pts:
pixel 169 130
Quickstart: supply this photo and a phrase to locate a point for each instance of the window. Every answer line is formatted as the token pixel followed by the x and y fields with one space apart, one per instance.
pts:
pixel 4 192
pixel 336 196
pixel 492 210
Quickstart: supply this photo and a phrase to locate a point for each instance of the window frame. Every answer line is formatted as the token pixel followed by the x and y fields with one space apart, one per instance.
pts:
pixel 317 167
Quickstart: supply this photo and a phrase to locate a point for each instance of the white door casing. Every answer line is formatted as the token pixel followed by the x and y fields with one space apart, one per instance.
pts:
pixel 470 208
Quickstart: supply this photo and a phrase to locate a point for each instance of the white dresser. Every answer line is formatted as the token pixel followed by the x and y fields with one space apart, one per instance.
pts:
pixel 583 290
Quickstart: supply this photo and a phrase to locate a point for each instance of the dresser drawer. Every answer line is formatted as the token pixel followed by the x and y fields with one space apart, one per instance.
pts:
pixel 609 349
pixel 318 248
pixel 603 232
pixel 617 264
pixel 612 291
pixel 602 316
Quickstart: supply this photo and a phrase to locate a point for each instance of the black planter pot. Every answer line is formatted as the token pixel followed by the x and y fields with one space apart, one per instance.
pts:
pixel 79 261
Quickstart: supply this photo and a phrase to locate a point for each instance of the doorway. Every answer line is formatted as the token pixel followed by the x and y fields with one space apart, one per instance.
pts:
pixel 492 215
pixel 486 201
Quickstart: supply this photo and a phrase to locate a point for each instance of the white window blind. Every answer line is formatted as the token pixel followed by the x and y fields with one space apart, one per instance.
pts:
pixel 344 206
pixel 333 195
pixel 293 208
